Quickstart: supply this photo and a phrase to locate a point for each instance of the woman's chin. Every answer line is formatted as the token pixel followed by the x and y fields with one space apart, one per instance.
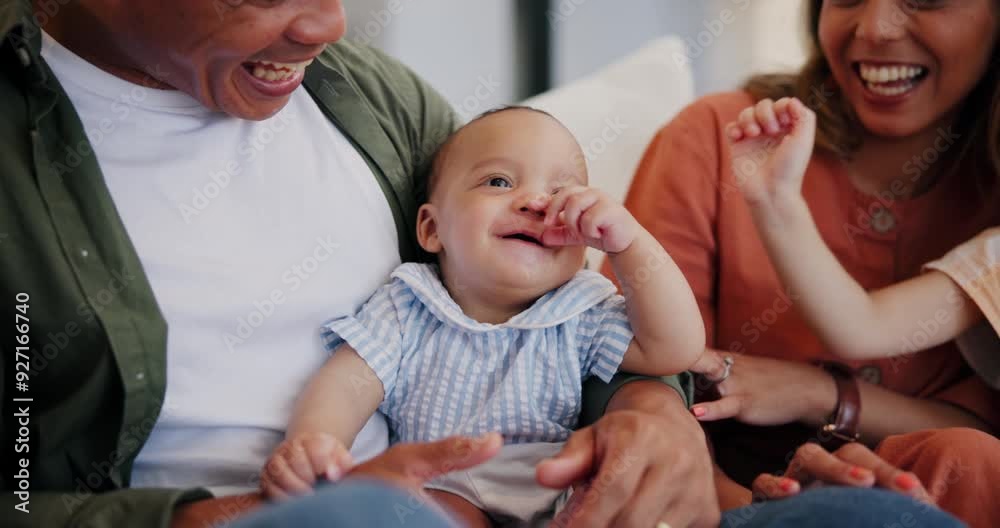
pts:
pixel 892 127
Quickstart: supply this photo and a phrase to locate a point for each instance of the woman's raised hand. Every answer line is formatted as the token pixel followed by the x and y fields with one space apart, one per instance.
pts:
pixel 771 144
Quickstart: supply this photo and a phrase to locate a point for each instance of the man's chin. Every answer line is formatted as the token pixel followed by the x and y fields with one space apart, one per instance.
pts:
pixel 239 105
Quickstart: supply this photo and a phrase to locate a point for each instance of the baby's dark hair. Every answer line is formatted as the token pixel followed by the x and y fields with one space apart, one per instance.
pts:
pixel 424 194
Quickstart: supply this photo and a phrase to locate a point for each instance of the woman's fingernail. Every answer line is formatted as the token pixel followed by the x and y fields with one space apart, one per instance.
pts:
pixel 333 472
pixel 698 411
pixel 859 473
pixel 905 481
pixel 787 485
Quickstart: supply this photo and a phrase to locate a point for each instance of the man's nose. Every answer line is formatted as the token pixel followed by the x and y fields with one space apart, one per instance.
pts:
pixel 318 23
pixel 534 204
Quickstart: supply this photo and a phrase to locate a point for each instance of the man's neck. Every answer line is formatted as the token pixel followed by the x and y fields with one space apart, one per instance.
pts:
pixel 79 29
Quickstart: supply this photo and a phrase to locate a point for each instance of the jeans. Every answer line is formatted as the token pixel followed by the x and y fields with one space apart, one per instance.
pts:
pixel 355 503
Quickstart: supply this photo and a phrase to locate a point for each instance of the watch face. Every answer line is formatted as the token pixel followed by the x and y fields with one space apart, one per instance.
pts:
pixel 870 373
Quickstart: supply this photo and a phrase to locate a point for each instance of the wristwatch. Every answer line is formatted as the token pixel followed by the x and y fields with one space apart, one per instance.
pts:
pixel 842 425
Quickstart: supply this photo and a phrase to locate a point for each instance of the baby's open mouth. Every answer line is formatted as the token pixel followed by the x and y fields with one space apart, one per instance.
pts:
pixel 890 80
pixel 525 237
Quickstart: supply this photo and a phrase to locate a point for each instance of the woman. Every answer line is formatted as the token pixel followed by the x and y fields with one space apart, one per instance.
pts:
pixel 906 166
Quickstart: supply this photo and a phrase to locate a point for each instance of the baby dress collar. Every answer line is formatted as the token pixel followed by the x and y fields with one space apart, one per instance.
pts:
pixel 586 289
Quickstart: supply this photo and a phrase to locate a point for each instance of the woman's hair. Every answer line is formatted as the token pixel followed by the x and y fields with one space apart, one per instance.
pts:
pixel 838 131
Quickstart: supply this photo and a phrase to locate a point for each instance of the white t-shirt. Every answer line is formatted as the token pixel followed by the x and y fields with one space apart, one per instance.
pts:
pixel 252 235
pixel 975 267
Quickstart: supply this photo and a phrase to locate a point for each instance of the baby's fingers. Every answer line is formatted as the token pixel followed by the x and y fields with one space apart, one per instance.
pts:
pixel 766 119
pixel 782 110
pixel 558 203
pixel 328 457
pixel 562 236
pixel 748 122
pixel 279 480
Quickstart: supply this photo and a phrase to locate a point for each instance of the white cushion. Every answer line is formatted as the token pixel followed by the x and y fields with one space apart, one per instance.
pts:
pixel 615 112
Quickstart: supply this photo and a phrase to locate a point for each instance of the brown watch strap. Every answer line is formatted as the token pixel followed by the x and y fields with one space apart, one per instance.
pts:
pixel 842 426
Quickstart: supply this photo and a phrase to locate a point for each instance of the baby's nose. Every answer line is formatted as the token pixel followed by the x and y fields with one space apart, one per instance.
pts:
pixel 536 203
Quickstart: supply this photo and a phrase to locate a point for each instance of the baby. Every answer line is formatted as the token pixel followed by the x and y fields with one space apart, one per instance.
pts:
pixel 958 296
pixel 499 334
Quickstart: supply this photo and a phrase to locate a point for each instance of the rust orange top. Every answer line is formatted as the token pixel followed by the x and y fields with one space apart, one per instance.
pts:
pixel 685 194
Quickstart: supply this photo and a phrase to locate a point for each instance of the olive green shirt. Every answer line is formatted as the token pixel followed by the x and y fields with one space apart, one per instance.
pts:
pixel 96 340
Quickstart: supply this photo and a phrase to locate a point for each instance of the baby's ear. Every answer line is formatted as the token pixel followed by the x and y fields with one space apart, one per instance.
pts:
pixel 427 234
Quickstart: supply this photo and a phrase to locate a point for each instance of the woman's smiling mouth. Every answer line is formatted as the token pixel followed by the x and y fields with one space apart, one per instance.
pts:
pixel 889 81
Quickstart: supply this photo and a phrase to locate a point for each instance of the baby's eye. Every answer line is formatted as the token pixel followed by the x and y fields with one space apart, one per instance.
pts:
pixel 499 181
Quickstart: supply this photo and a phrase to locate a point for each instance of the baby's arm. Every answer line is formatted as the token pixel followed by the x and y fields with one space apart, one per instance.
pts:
pixel 853 323
pixel 669 332
pixel 335 405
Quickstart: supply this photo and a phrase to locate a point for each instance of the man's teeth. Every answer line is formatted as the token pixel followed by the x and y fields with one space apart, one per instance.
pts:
pixel 277 71
pixel 884 74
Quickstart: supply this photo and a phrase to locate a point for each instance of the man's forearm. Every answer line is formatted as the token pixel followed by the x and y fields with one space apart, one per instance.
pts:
pixel 651 396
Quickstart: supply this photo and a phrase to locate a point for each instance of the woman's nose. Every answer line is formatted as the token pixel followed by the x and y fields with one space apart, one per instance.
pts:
pixel 883 20
pixel 534 204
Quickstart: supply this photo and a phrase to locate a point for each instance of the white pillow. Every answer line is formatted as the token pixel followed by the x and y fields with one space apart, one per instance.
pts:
pixel 615 112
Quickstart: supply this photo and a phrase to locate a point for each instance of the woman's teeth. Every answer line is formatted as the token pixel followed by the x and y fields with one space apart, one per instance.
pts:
pixel 882 74
pixel 890 80
pixel 277 71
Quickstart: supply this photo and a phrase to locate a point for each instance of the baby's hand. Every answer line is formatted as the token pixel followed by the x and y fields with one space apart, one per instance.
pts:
pixel 297 462
pixel 771 146
pixel 584 215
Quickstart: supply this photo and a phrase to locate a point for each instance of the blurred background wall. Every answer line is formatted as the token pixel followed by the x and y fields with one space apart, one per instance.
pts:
pixel 482 53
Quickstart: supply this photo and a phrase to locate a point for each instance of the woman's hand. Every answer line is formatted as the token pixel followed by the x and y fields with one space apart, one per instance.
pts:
pixel 771 144
pixel 851 465
pixel 765 391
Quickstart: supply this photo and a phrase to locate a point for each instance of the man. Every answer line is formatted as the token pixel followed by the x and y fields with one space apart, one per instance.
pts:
pixel 163 169
pixel 189 189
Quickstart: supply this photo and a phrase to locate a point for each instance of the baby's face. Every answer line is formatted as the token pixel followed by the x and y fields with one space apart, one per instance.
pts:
pixel 494 184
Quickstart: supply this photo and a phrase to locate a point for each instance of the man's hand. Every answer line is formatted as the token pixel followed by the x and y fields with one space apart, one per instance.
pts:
pixel 299 461
pixel 409 466
pixel 643 462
